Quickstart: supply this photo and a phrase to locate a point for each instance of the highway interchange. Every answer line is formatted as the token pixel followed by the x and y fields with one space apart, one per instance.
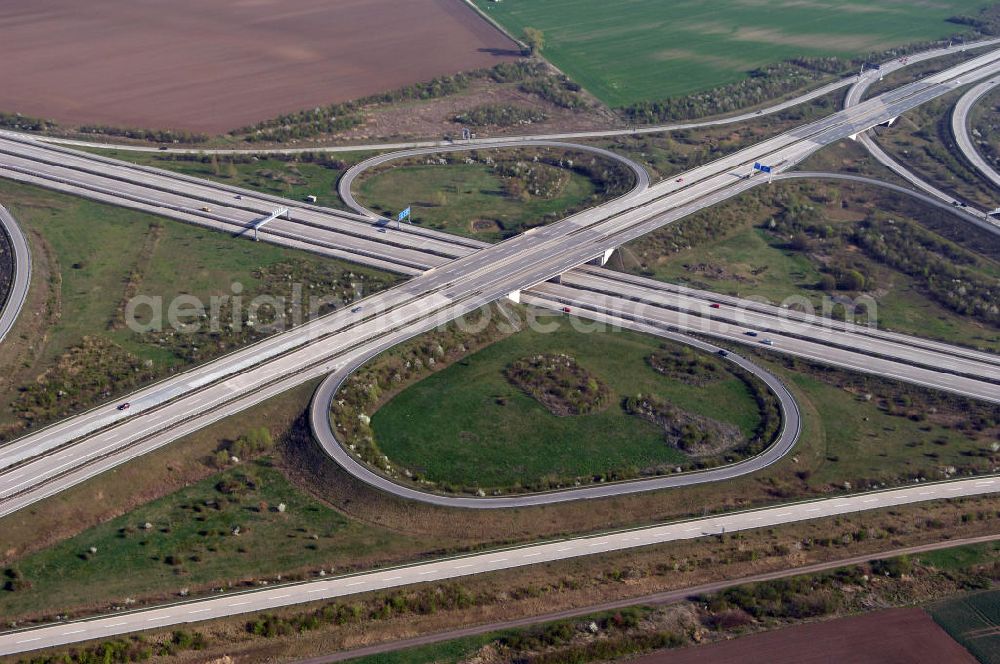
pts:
pixel 427 300
pixel 453 276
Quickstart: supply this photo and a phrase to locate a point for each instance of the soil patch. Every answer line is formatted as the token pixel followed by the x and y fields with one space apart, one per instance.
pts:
pixel 211 67
pixel 897 635
pixel 485 226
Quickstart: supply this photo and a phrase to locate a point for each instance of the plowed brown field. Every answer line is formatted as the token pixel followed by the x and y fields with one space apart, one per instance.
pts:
pixel 215 65
pixel 896 636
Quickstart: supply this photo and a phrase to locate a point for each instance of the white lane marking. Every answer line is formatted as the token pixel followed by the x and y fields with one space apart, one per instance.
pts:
pixel 280 596
pixel 392 578
pixel 984 483
pixel 239 603
pixel 813 509
pixel 870 500
pixel 532 555
pixel 356 583
pixel 430 571
pixel 29 640
pixel 954 488
pixel 499 560
pixel 75 631
pixel 157 618
pixel 687 530
pixel 599 543
pixel 780 514
pixel 565 548
pixel 463 566
pixel 315 590
pixel 199 611
pixel 118 624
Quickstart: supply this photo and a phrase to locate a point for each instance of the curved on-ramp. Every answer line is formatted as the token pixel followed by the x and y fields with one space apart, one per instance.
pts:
pixel 323 398
pixel 22 273
pixel 857 92
pixel 791 426
pixel 960 129
pixel 345 186
pixel 497 141
pixel 934 201
pixel 501 141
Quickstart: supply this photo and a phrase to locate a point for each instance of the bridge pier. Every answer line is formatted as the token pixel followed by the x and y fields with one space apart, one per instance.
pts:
pixel 603 258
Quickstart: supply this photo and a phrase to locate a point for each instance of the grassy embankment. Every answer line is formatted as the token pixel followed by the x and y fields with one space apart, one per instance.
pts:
pixel 91 259
pixel 469 425
pixel 833 242
pixel 292 176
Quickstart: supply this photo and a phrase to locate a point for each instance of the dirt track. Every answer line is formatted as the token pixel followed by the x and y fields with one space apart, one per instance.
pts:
pixel 214 65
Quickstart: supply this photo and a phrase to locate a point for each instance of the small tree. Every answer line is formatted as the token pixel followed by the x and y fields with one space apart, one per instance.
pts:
pixel 535 39
pixel 851 280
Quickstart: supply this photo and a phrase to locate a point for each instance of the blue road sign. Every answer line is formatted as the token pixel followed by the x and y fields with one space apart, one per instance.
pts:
pixel 757 166
pixel 403 215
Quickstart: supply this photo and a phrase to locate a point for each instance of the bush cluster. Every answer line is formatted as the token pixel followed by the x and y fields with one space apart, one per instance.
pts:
pixel 425 601
pixel 20 122
pixel 557 90
pixel 500 115
pixel 152 135
pixel 559 383
pixel 945 271
pixel 685 364
pixel 342 116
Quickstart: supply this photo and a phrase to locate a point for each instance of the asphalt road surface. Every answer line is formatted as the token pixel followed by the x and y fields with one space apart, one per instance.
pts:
pixel 788 435
pixel 655 599
pixel 500 141
pixel 173 407
pixel 854 96
pixel 49 463
pixel 22 272
pixel 960 129
pixel 237 603
pixel 345 186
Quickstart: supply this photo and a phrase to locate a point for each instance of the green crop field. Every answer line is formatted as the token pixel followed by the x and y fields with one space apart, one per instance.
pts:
pixel 973 621
pixel 961 557
pixel 468 425
pixel 635 50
